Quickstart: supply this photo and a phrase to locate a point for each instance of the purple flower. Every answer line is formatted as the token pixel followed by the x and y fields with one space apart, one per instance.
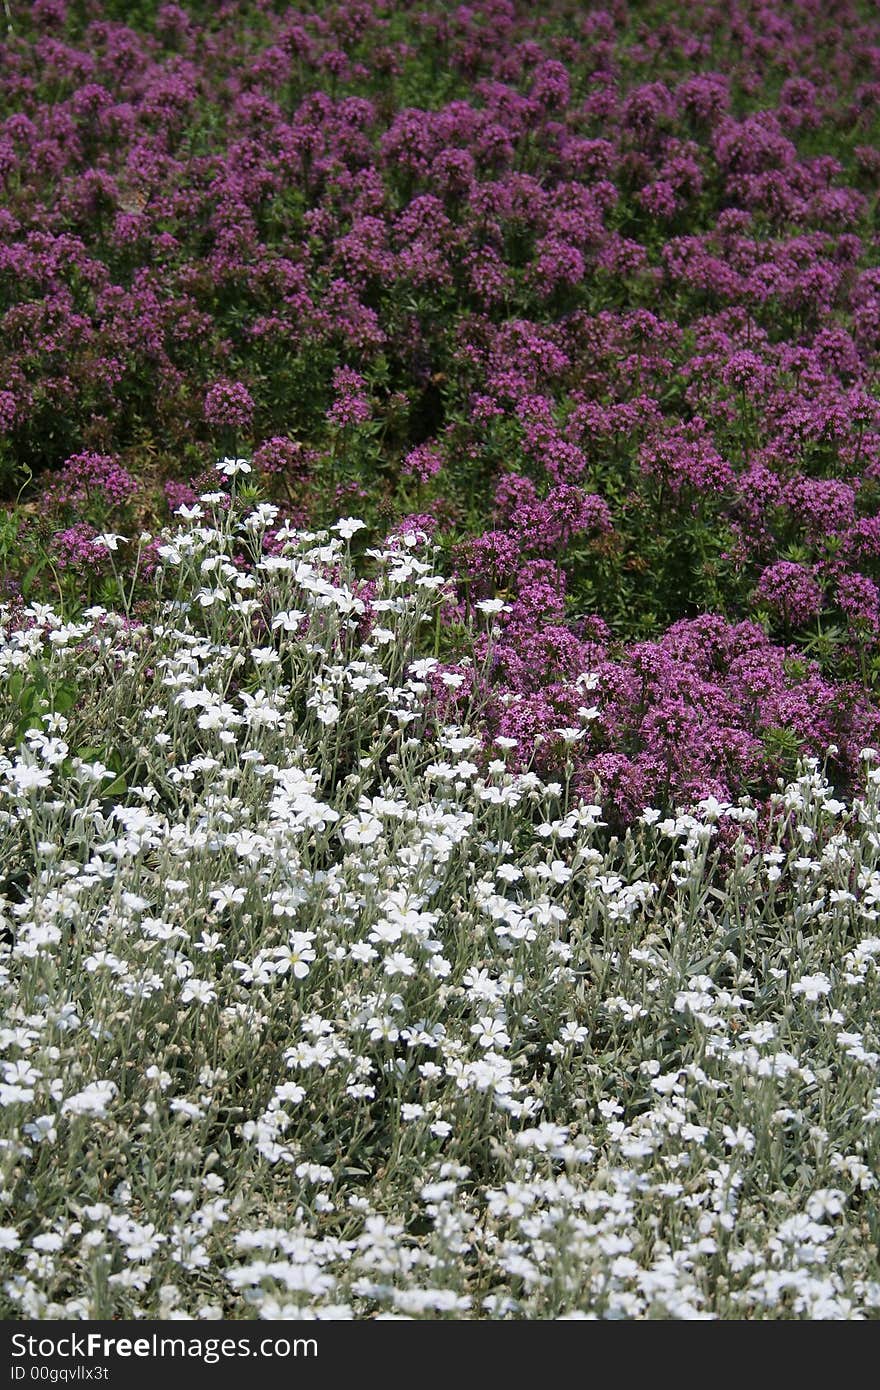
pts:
pixel 351 404
pixel 76 549
pixel 859 598
pixel 8 410
pixel 90 479
pixel 790 592
pixel 280 455
pixel 229 405
pixel 423 462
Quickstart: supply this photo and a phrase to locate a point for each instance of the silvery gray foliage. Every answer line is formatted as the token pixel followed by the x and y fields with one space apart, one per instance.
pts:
pixel 313 1009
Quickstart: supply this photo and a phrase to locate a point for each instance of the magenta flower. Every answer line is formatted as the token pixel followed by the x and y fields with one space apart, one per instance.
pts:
pixel 229 405
pixel 351 405
pixel 790 592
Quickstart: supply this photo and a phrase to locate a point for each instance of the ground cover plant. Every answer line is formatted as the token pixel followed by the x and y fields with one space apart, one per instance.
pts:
pixel 439 659
pixel 313 1010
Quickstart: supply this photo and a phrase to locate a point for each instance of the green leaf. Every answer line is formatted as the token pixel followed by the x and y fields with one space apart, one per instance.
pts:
pixel 117 787
pixel 64 697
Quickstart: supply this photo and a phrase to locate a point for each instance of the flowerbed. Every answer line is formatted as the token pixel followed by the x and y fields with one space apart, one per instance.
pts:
pixel 466 908
pixel 595 294
pixel 313 1010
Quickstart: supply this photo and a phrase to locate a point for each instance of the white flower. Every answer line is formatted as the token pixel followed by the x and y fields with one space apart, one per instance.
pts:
pixel 348 527
pixel 288 620
pixel 27 777
pixel 422 668
pixel 142 1242
pixel 264 656
pixel 48 1241
pixel 198 991
pixel 289 1093
pixel 92 1100
pixel 491 1032
pixel 229 467
pixel 295 957
pixel 812 987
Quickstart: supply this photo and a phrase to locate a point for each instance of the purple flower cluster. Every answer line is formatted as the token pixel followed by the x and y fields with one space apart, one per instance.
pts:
pixel 351 405
pixel 86 480
pixel 708 710
pixel 228 405
pixel 75 549
pixel 791 592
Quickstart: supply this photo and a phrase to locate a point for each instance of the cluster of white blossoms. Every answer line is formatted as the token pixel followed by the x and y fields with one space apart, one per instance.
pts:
pixel 312 1007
